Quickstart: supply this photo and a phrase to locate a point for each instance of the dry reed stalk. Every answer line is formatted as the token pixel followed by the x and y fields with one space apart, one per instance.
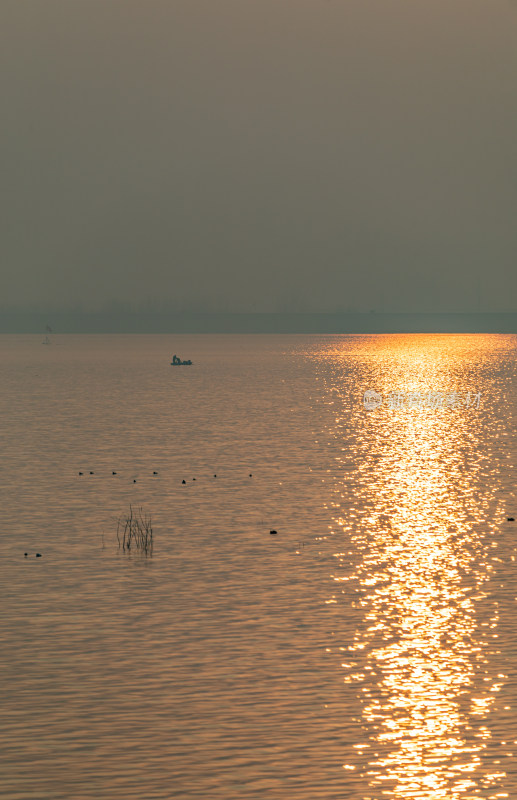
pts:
pixel 135 531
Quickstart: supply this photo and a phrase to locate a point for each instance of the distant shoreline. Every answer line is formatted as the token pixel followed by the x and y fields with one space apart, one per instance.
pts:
pixel 148 322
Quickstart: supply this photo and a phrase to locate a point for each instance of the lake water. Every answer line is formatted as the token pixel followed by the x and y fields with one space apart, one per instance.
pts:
pixel 367 651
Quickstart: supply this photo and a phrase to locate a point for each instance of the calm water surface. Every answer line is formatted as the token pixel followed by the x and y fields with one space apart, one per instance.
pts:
pixel 368 651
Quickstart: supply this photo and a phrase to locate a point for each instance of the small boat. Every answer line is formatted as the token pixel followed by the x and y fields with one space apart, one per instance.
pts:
pixel 177 362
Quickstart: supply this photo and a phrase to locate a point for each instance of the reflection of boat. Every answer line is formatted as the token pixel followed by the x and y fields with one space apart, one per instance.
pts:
pixel 177 362
pixel 46 340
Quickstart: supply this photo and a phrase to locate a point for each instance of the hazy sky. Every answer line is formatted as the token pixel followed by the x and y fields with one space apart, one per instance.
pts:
pixel 259 154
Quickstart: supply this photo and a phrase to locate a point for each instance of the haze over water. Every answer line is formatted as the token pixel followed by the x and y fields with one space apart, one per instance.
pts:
pixel 366 652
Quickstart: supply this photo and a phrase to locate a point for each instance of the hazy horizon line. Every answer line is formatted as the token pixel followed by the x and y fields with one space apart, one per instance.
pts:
pixel 339 322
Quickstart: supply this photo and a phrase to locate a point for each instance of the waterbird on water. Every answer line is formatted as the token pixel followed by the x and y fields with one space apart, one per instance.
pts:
pixel 183 481
pixel 273 532
pixel 510 519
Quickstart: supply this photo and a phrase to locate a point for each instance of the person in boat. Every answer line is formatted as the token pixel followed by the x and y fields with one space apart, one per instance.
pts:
pixel 176 360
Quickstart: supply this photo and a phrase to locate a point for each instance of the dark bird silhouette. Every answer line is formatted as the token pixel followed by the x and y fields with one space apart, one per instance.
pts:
pixel 183 481
pixel 273 533
pixel 510 519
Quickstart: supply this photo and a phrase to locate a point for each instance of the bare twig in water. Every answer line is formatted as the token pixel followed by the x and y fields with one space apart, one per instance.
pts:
pixel 135 531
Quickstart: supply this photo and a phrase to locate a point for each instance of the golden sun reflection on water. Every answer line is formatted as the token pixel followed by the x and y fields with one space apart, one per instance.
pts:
pixel 422 489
